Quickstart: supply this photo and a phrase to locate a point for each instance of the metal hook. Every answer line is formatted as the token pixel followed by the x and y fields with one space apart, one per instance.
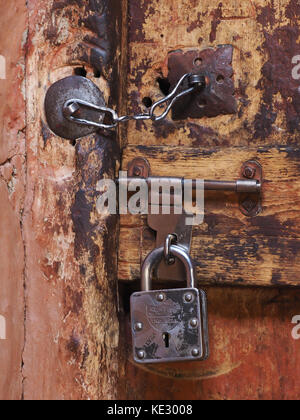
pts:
pixel 171 98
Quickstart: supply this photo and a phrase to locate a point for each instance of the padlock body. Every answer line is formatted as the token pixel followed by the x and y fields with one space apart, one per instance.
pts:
pixel 167 325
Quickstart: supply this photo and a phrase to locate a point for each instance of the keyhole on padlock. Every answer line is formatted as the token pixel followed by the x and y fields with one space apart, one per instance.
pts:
pixel 166 338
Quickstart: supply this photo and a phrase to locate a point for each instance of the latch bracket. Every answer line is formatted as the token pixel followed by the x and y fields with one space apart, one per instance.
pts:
pixel 217 96
pixel 249 190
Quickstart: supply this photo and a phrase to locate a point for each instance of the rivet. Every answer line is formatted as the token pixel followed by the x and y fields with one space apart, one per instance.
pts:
pixel 188 297
pixel 249 172
pixel 138 326
pixel 249 204
pixel 141 354
pixel 194 323
pixel 195 352
pixel 171 261
pixel 160 297
pixel 137 171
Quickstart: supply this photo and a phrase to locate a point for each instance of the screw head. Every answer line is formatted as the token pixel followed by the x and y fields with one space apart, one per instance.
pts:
pixel 195 352
pixel 141 354
pixel 188 297
pixel 194 322
pixel 249 204
pixel 249 172
pixel 171 261
pixel 160 297
pixel 138 326
pixel 137 171
pixel 139 167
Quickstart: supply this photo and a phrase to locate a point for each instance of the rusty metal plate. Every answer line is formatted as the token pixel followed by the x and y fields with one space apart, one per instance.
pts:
pixel 72 87
pixel 170 330
pixel 217 98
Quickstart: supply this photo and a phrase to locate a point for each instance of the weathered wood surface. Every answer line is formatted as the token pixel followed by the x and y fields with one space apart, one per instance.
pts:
pixel 228 247
pixel 265 37
pixel 252 353
pixel 72 329
pixel 62 337
pixel 12 186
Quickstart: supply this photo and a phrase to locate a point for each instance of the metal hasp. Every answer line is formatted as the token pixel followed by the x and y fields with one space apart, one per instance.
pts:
pixel 58 115
pixel 162 225
pixel 169 325
pixel 217 95
pixel 249 189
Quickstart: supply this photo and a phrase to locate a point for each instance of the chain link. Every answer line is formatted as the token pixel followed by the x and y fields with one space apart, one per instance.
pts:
pixel 72 106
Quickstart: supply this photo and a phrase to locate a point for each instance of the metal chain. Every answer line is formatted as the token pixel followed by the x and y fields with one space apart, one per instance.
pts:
pixel 72 106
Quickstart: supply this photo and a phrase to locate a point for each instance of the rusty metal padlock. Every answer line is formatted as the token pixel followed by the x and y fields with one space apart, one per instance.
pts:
pixel 169 325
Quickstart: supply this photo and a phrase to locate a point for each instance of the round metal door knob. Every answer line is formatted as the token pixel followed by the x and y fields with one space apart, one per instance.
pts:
pixel 72 87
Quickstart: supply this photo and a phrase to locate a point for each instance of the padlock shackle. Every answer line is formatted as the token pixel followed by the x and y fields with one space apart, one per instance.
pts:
pixel 156 256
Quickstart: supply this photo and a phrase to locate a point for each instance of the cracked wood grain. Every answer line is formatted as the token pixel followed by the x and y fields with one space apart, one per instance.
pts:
pixel 72 328
pixel 12 192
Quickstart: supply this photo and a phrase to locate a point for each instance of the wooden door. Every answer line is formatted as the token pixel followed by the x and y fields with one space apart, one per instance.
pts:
pixel 247 264
pixel 68 271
